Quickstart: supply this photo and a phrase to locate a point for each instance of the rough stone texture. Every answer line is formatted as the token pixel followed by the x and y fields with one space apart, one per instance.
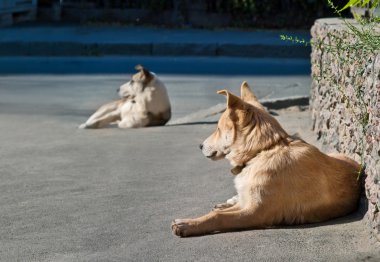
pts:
pixel 336 107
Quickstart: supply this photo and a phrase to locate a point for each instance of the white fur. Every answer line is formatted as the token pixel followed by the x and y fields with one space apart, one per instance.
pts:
pixel 218 148
pixel 138 104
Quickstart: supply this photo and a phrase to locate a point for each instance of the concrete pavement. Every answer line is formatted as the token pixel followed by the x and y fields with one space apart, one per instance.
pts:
pixel 110 195
pixel 44 94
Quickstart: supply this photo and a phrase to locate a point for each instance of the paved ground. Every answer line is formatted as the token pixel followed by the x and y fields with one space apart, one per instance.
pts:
pixel 110 194
pixel 80 95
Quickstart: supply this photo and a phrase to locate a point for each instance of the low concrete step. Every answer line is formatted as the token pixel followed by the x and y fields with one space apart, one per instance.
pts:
pixel 127 41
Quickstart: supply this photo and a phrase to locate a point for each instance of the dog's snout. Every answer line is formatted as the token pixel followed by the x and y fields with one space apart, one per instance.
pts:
pixel 200 146
pixel 118 90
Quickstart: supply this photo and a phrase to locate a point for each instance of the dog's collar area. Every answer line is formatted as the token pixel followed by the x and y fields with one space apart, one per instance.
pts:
pixel 237 170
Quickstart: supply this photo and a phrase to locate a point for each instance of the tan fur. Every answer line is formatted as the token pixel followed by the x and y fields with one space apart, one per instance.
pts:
pixel 283 181
pixel 144 102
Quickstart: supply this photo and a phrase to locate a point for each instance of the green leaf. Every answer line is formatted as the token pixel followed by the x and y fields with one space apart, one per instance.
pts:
pixel 350 3
pixel 365 2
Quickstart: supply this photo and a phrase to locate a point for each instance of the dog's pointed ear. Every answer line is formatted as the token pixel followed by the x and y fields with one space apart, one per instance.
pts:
pixel 144 74
pixel 246 93
pixel 248 96
pixel 232 100
pixel 139 67
pixel 143 70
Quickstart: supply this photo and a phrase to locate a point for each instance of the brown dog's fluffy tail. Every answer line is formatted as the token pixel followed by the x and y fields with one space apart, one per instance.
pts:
pixel 360 168
pixel 346 159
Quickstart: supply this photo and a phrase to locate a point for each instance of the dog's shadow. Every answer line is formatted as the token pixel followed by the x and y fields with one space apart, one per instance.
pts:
pixel 211 122
pixel 193 123
pixel 357 215
pixel 352 217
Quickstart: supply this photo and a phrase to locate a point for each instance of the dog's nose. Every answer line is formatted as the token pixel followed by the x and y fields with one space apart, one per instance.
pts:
pixel 118 90
pixel 201 146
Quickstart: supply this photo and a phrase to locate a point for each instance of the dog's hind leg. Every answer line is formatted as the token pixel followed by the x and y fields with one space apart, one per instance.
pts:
pixel 105 115
pixel 218 222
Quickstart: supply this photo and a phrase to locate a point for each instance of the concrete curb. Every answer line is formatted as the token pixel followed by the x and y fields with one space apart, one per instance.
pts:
pixel 152 49
pixel 201 115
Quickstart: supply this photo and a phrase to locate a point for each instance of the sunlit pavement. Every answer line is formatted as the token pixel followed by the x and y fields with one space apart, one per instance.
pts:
pixel 110 195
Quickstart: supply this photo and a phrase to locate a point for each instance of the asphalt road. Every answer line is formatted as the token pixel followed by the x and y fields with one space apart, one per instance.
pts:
pixel 110 195
pixel 78 96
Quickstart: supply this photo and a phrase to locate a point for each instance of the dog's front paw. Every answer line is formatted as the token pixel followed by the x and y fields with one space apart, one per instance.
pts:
pixel 180 227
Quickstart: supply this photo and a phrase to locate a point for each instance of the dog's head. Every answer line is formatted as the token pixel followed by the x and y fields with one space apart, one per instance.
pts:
pixel 243 130
pixel 137 83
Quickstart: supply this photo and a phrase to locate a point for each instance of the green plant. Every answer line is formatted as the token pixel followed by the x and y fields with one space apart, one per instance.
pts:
pixel 294 40
pixel 368 5
pixel 361 3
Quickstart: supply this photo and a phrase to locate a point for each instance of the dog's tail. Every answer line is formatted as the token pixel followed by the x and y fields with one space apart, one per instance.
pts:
pixel 346 159
pixel 361 175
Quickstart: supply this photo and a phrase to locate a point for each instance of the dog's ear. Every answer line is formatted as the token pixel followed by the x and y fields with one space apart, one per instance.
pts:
pixel 246 93
pixel 144 74
pixel 232 100
pixel 248 96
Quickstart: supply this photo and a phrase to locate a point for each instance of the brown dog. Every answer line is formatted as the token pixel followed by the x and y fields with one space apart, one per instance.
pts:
pixel 279 180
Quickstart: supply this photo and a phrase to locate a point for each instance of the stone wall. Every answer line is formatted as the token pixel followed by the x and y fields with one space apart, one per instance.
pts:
pixel 345 104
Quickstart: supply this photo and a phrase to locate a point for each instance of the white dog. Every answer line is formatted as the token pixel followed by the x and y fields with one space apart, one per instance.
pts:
pixel 144 102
